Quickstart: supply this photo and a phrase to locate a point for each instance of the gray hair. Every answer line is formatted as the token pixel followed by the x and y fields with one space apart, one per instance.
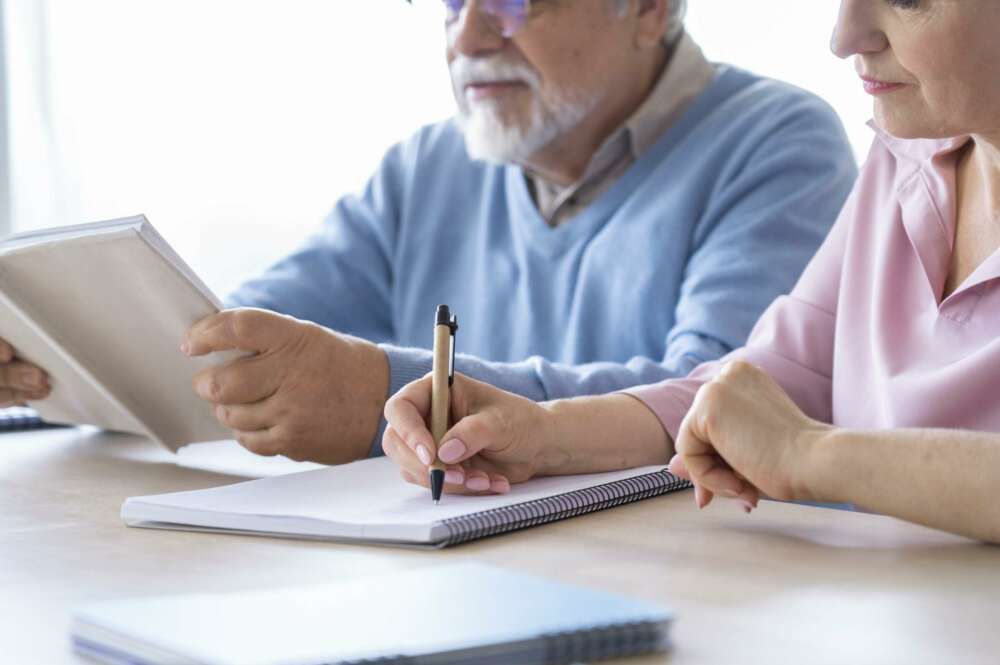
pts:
pixel 677 10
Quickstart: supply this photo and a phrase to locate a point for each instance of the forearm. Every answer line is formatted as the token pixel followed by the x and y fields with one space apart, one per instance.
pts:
pixel 946 479
pixel 591 434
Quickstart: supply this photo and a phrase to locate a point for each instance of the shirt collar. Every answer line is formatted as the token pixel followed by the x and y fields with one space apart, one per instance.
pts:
pixel 917 151
pixel 686 75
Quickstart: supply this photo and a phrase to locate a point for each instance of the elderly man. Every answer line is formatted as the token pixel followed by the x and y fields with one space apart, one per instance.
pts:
pixel 607 209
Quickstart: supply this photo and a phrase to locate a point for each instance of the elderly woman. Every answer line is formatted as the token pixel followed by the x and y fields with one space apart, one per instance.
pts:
pixel 877 380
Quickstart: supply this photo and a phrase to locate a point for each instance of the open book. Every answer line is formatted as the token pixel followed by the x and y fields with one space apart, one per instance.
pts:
pixel 103 309
pixel 368 502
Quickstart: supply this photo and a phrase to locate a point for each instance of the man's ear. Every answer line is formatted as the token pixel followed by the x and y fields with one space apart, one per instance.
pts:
pixel 651 24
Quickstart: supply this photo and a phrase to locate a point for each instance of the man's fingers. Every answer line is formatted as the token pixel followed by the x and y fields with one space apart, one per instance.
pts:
pixel 262 442
pixel 247 417
pixel 6 352
pixel 241 381
pixel 10 397
pixel 254 330
pixel 19 375
pixel 406 413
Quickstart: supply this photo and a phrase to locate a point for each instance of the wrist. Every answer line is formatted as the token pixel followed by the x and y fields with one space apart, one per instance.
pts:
pixel 372 387
pixel 815 474
pixel 551 456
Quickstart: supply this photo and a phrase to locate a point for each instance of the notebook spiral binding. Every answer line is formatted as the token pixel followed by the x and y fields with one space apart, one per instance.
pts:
pixel 604 642
pixel 585 645
pixel 553 508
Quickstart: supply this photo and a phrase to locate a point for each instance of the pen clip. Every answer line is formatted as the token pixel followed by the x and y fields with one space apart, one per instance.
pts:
pixel 453 327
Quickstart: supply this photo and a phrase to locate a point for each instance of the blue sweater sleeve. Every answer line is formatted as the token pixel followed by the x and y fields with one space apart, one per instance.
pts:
pixel 342 276
pixel 760 227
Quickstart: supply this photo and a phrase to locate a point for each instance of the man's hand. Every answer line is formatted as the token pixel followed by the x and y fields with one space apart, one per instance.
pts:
pixel 19 381
pixel 305 392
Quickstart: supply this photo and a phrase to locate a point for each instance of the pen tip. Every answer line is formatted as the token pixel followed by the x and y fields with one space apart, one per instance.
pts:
pixel 437 484
pixel 436 502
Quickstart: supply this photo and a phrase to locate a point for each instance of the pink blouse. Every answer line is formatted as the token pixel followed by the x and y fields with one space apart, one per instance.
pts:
pixel 864 339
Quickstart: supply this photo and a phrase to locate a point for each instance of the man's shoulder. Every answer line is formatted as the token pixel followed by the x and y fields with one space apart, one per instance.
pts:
pixel 439 145
pixel 765 101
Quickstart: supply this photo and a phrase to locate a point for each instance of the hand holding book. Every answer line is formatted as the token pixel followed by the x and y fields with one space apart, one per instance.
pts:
pixel 304 391
pixel 19 381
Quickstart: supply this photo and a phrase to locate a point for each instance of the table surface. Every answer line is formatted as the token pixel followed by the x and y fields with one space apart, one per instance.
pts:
pixel 787 584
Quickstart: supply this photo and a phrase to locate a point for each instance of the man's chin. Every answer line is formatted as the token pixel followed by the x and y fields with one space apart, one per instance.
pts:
pixel 498 143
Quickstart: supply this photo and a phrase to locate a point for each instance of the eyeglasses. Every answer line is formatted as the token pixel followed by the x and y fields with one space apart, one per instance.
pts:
pixel 505 17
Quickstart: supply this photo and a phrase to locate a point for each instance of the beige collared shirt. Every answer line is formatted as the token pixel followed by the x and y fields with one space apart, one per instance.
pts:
pixel 686 75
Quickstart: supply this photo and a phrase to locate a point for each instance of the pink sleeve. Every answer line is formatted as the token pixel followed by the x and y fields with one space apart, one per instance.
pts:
pixel 792 341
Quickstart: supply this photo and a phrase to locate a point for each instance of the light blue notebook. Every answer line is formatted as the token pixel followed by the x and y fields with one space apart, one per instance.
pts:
pixel 415 617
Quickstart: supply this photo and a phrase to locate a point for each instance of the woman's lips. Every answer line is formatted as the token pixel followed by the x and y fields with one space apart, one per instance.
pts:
pixel 877 87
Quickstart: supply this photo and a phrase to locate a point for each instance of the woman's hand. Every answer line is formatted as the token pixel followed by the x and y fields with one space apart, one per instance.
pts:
pixel 491 444
pixel 743 437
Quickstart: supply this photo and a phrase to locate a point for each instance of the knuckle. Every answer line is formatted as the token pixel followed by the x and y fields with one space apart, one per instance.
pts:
pixel 257 446
pixel 296 453
pixel 241 323
pixel 481 430
pixel 710 395
pixel 215 387
pixel 736 369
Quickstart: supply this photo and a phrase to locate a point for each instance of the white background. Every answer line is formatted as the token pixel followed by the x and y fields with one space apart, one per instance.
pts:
pixel 235 124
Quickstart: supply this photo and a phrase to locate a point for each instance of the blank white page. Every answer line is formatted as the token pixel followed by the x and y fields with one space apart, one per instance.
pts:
pixel 365 500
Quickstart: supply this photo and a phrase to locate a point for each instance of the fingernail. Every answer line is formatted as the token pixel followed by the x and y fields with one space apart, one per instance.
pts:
pixel 454 477
pixel 747 506
pixel 746 509
pixel 501 486
pixel 452 451
pixel 478 484
pixel 732 494
pixel 185 347
pixel 424 455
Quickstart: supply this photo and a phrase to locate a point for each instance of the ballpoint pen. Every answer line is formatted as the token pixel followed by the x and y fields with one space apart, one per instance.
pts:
pixel 442 376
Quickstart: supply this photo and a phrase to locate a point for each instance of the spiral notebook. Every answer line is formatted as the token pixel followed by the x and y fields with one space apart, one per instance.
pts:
pixel 410 618
pixel 368 502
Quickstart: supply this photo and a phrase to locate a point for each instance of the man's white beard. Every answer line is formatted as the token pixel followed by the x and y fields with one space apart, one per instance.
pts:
pixel 492 138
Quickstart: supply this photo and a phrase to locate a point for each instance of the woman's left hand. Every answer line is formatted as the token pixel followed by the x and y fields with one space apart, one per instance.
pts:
pixel 744 437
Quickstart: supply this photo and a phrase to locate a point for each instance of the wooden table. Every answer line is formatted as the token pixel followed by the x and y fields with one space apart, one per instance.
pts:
pixel 788 584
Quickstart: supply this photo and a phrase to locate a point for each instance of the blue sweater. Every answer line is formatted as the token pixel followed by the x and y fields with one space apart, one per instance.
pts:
pixel 668 268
